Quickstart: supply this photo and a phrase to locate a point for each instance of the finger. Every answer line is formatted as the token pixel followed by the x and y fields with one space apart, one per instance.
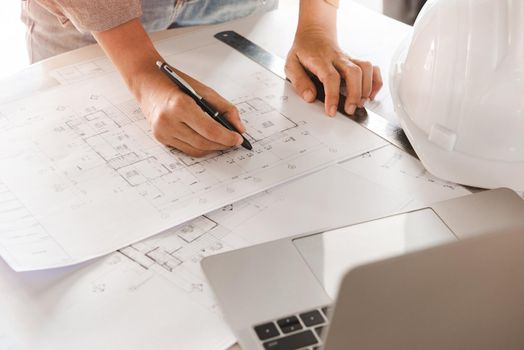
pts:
pixel 206 126
pixel 367 80
pixel 167 131
pixel 233 117
pixel 165 126
pixel 191 137
pixel 330 78
pixel 377 83
pixel 299 79
pixel 224 107
pixel 187 149
pixel 352 75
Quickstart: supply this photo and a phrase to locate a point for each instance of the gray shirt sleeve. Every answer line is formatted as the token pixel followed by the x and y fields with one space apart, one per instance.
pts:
pixel 94 15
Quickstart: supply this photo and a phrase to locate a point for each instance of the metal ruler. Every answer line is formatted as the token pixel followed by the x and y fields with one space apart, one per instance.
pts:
pixel 389 131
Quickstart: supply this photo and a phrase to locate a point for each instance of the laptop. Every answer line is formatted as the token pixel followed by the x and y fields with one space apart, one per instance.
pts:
pixel 453 279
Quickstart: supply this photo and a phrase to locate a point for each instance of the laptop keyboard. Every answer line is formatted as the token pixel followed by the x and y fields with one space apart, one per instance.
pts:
pixel 300 331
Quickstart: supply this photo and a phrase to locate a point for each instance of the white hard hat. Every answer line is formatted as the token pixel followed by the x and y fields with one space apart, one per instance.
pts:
pixel 458 89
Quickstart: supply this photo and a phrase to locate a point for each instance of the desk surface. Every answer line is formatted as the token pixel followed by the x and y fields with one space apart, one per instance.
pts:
pixel 363 33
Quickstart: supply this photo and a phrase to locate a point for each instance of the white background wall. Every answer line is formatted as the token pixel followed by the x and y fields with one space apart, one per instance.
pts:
pixel 12 41
pixel 12 31
pixel 374 4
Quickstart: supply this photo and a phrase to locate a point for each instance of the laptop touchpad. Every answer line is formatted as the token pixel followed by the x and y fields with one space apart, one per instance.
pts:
pixel 331 254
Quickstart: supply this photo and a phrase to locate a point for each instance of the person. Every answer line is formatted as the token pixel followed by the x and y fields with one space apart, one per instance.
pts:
pixel 121 27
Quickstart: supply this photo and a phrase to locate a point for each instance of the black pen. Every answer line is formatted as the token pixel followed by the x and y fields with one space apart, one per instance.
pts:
pixel 186 88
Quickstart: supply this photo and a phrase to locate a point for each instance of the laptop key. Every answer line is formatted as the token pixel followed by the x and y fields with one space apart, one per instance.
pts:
pixel 289 324
pixel 291 328
pixel 312 318
pixel 266 331
pixel 293 341
pixel 319 330
pixel 325 310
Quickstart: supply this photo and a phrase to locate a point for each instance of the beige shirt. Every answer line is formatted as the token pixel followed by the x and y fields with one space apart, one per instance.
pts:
pixel 93 15
pixel 99 15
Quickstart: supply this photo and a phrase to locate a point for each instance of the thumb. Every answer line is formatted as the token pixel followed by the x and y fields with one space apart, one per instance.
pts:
pixel 299 79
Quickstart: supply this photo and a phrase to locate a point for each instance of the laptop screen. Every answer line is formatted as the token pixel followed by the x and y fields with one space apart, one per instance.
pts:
pixel 331 254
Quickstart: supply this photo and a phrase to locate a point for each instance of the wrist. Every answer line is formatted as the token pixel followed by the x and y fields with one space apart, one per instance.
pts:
pixel 317 16
pixel 133 54
pixel 142 76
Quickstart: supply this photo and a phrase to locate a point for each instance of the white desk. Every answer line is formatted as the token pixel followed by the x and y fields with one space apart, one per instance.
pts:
pixel 362 33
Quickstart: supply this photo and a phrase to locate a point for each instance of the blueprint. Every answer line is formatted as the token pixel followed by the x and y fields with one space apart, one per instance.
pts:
pixel 82 176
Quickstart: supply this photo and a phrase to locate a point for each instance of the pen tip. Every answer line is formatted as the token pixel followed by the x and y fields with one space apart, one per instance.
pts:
pixel 247 145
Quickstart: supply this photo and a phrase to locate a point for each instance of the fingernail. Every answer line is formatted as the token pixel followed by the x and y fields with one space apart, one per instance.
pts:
pixel 240 140
pixel 333 110
pixel 363 102
pixel 307 95
pixel 351 109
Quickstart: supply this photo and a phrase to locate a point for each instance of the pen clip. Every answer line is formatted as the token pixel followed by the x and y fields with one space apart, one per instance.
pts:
pixel 178 78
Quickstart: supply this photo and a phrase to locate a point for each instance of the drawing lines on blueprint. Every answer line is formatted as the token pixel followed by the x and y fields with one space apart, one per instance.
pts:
pixel 270 132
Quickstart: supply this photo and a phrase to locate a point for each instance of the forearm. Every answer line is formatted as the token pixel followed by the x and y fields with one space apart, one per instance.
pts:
pixel 132 52
pixel 175 119
pixel 317 14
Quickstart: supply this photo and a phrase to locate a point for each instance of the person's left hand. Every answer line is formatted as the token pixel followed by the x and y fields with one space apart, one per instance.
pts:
pixel 316 50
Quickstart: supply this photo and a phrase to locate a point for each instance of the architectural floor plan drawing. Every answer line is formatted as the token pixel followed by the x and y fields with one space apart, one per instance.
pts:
pixel 176 254
pixel 89 177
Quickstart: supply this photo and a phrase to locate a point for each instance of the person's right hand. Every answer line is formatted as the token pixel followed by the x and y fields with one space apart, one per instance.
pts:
pixel 177 121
